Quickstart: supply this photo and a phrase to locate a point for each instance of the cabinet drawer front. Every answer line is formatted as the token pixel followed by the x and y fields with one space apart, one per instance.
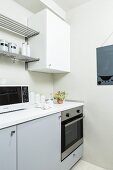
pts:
pixel 72 158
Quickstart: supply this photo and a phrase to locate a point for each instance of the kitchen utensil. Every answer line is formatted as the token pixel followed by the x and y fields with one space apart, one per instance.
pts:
pixel 12 47
pixel 24 49
pixel 28 50
pixel 3 45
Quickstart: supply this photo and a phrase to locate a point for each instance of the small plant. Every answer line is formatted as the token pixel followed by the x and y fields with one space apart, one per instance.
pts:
pixel 59 96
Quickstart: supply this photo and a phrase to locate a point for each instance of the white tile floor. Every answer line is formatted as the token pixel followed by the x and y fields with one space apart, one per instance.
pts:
pixel 82 165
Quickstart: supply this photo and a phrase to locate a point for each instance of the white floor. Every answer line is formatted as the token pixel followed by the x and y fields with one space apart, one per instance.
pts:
pixel 82 165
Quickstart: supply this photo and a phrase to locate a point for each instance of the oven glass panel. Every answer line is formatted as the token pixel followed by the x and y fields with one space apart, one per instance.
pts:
pixel 10 95
pixel 73 133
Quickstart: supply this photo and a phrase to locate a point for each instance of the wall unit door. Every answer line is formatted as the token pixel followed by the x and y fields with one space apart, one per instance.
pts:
pixel 39 144
pixel 8 148
pixel 52 45
pixel 58 43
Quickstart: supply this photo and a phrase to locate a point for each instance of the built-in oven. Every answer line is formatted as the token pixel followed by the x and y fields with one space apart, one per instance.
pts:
pixel 71 130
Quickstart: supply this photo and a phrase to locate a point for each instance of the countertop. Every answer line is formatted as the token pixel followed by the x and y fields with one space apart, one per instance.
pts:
pixel 31 113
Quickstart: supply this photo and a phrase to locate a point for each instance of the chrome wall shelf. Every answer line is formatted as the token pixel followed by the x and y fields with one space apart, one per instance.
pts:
pixel 16 27
pixel 19 57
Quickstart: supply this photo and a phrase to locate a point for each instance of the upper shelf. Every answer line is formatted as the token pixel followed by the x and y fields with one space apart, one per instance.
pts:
pixel 16 27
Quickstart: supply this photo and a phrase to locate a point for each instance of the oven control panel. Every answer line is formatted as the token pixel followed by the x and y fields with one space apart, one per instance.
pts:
pixel 67 114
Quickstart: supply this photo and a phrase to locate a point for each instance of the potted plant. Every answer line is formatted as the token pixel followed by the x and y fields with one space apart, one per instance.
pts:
pixel 59 97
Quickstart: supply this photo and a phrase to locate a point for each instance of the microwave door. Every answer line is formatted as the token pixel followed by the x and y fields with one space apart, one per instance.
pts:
pixel 10 95
pixel 15 96
pixel 3 99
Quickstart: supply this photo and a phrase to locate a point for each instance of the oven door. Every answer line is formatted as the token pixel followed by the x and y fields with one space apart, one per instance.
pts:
pixel 71 135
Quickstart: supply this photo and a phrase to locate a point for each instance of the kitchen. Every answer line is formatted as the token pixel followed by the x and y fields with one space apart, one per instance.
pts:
pixel 88 31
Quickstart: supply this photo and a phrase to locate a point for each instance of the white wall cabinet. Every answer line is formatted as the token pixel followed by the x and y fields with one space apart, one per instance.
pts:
pixel 8 148
pixel 52 45
pixel 39 144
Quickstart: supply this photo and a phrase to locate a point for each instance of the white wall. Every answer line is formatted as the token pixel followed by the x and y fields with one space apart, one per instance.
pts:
pixel 15 73
pixel 55 8
pixel 91 24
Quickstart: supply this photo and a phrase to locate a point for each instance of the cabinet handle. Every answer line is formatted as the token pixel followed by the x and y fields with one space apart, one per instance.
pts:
pixel 59 117
pixel 74 155
pixel 12 133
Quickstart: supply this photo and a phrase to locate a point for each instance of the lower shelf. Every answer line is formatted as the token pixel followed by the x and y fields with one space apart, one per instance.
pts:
pixel 19 57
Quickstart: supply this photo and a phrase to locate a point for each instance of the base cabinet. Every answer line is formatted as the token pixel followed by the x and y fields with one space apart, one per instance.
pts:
pixel 35 145
pixel 8 148
pixel 39 144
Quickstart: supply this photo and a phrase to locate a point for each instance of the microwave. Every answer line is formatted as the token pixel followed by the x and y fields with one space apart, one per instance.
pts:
pixel 13 98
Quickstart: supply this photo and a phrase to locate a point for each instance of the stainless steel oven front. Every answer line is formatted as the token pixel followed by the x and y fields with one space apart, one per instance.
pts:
pixel 71 130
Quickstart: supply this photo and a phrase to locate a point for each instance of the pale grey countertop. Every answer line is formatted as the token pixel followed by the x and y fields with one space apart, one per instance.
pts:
pixel 31 113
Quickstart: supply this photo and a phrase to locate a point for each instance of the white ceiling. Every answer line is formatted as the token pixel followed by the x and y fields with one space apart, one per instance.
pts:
pixel 32 5
pixel 35 5
pixel 69 4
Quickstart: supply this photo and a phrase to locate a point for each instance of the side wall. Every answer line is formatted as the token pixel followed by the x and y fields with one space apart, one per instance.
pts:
pixel 91 24
pixel 11 73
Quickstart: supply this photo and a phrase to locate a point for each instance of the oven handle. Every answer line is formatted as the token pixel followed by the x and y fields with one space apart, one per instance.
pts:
pixel 75 121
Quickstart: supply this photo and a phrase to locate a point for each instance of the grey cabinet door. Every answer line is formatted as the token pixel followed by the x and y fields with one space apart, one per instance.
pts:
pixel 8 148
pixel 39 144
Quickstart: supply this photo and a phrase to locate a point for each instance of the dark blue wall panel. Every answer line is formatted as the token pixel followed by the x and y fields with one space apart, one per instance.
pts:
pixel 105 65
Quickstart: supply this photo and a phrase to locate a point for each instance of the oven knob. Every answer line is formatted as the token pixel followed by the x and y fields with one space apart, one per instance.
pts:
pixel 67 114
pixel 78 111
